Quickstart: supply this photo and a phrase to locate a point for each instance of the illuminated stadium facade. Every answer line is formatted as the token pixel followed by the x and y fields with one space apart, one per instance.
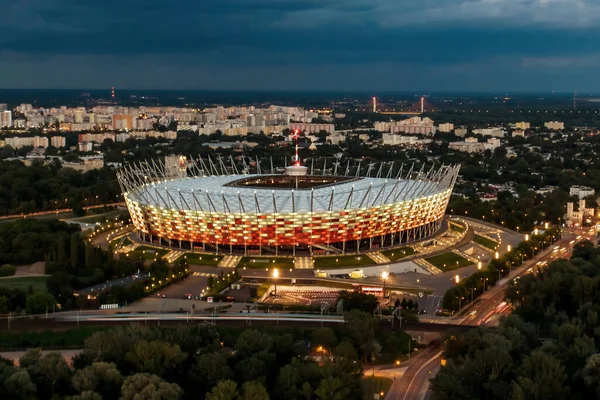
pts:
pixel 206 205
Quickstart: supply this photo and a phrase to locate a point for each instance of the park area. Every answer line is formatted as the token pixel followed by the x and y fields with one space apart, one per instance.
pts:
pixel 149 253
pixel 37 283
pixel 202 259
pixel 399 253
pixel 448 261
pixel 339 262
pixel 266 262
pixel 485 242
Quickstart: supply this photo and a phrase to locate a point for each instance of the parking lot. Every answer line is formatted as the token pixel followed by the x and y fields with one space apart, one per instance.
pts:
pixel 191 285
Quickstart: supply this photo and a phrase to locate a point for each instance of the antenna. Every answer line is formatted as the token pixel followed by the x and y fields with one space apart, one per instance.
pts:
pixel 574 100
pixel 112 92
pixel 296 158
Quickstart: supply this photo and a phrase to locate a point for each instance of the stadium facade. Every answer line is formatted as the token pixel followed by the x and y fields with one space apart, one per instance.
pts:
pixel 207 205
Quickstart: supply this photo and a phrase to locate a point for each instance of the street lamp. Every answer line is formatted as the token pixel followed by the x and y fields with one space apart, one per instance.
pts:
pixel 526 237
pixel 472 290
pixel 275 276
pixel 384 275
pixel 457 279
pixel 479 265
pixel 395 365
pixel 497 255
pixel 508 248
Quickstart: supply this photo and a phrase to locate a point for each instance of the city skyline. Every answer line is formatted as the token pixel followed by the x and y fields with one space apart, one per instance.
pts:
pixel 524 46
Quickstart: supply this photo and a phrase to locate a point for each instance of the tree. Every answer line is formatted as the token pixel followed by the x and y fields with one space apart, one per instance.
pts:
pixel 541 377
pixel 211 368
pixel 332 388
pixel 20 386
pixel 3 305
pixel 323 337
pixel 254 390
pixel 361 329
pixel 155 356
pixel 224 390
pixel 100 377
pixel 149 387
pixel 39 302
pixel 49 372
pixel 591 374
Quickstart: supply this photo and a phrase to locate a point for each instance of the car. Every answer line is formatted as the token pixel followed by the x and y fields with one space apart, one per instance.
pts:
pixel 161 295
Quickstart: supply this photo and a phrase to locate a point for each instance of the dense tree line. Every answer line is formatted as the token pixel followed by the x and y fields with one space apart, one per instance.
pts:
pixel 548 348
pixel 46 187
pixel 203 361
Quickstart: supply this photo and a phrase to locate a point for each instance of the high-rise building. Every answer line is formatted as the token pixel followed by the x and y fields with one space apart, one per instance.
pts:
pixel 446 127
pixel 523 125
pixel 5 119
pixel 555 125
pixel 58 141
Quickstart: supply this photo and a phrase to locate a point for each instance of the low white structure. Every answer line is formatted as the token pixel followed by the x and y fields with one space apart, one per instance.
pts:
pixel 581 191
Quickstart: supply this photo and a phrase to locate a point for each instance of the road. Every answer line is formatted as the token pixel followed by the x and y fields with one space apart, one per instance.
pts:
pixel 414 382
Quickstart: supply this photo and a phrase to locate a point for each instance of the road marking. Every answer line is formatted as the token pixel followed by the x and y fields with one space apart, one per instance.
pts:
pixel 417 373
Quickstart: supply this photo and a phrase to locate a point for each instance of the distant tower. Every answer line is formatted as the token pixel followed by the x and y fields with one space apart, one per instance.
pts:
pixel 374 104
pixel 422 104
pixel 112 92
pixel 574 100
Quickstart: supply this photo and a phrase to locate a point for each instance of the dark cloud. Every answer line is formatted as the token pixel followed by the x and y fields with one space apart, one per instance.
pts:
pixel 425 39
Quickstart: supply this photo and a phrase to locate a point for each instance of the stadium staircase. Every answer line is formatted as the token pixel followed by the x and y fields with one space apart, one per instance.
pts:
pixel 230 261
pixel 427 266
pixel 378 257
pixel 173 255
pixel 465 255
pixel 304 263
pixel 129 247
pixel 329 249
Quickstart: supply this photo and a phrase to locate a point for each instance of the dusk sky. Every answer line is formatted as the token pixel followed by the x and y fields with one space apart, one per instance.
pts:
pixel 371 45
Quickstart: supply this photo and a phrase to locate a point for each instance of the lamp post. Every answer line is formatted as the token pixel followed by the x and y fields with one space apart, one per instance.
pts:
pixel 472 291
pixel 508 248
pixel 384 275
pixel 275 276
pixel 479 265
pixel 395 365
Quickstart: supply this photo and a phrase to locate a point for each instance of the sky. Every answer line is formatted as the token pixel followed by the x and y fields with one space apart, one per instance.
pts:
pixel 330 45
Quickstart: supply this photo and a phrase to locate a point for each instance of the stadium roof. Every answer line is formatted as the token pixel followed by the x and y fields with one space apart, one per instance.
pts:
pixel 211 193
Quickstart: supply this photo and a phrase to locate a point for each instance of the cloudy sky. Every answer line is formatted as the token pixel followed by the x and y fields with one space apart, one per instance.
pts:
pixel 370 45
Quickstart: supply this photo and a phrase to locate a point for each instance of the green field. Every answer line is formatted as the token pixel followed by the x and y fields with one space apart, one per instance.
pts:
pixel 339 262
pixel 457 228
pixel 266 262
pixel 485 242
pixel 22 283
pixel 375 385
pixel 448 261
pixel 149 253
pixel 202 259
pixel 399 253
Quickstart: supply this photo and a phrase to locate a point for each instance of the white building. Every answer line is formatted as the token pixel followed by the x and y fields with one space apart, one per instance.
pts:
pixel 555 125
pixel 518 132
pixel 382 126
pixel 18 142
pixel 447 127
pixel 58 141
pixel 391 139
pixel 523 125
pixel 576 217
pixel 581 191
pixel 471 145
pixel 5 119
pixel 415 126
pixel 462 131
pixel 312 128
pixel 494 132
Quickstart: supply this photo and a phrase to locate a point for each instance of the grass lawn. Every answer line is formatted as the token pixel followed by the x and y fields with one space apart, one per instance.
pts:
pixel 448 261
pixel 339 262
pixel 490 244
pixel 23 283
pixel 399 253
pixel 149 253
pixel 266 262
pixel 457 228
pixel 202 259
pixel 375 384
pixel 262 289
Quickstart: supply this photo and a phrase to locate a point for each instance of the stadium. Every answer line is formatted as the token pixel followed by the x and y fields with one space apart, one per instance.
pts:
pixel 223 207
